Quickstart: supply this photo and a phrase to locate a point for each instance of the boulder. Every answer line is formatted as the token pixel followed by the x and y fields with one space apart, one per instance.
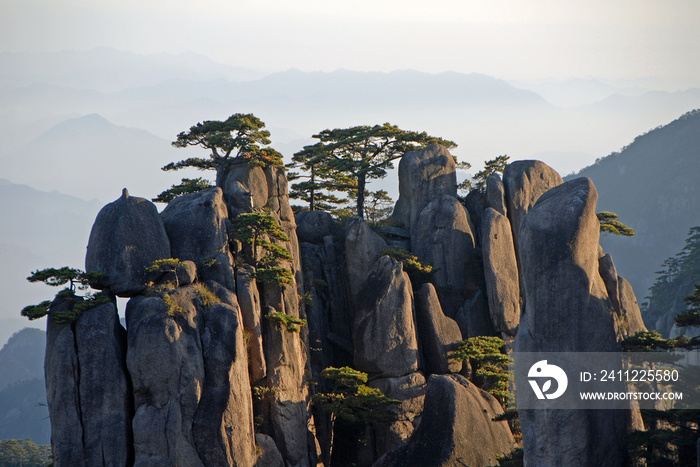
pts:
pixel 456 428
pixel 127 236
pixel 524 183
pixel 245 188
pixel 567 310
pixel 410 390
pixel 270 456
pixel 197 225
pixel 88 394
pixel 495 193
pixel 501 271
pixel 424 175
pixel 312 226
pixel 473 317
pixel 475 202
pixel 442 236
pixel 439 334
pixel 363 248
pixel 384 333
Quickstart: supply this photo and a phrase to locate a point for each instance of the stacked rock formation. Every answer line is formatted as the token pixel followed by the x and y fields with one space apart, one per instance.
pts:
pixel 202 377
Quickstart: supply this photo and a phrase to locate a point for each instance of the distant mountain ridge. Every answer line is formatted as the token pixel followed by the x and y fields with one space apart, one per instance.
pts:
pixel 652 184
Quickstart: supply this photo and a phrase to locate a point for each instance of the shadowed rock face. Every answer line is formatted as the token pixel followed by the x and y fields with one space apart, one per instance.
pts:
pixel 567 310
pixel 88 390
pixel 442 236
pixel 127 236
pixel 456 428
pixel 423 176
pixel 384 331
pixel 190 378
pixel 439 334
pixel 501 272
pixel 197 225
pixel 363 248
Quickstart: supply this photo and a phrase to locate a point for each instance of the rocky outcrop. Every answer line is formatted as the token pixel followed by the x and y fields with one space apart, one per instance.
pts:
pixel 473 317
pixel 410 390
pixel 363 248
pixel 127 236
pixel 314 226
pixel 456 428
pixel 622 298
pixel 198 228
pixel 251 312
pixel 632 323
pixel 288 404
pixel 88 390
pixel 496 194
pixel 501 272
pixel 270 456
pixel 278 204
pixel 525 182
pixel 245 188
pixel 423 176
pixel 564 292
pixel 442 236
pixel 384 333
pixel 439 334
pixel 188 367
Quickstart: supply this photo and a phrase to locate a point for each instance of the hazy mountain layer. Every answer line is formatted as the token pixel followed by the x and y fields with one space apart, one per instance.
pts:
pixel 652 185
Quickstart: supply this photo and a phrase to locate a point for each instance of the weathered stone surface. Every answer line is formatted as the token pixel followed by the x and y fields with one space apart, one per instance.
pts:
pixel 525 182
pixel 438 333
pixel 63 395
pixel 363 248
pixel 410 390
pixel 442 237
pixel 127 236
pixel 251 312
pixel 167 371
pixel 501 271
pixel 278 203
pixel 475 202
pixel 197 225
pixel 384 331
pixel 90 399
pixel 423 176
pixel 456 428
pixel 608 273
pixel 567 310
pixel 245 188
pixel 312 226
pixel 633 322
pixel 473 317
pixel 495 193
pixel 106 397
pixel 223 424
pixel 288 415
pixel 270 456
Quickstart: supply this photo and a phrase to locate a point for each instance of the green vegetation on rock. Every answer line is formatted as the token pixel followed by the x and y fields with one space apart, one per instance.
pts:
pixel 186 186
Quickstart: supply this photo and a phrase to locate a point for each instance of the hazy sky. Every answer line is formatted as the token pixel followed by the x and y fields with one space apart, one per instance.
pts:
pixel 504 38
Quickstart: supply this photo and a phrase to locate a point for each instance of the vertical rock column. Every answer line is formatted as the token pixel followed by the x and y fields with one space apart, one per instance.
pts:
pixel 567 310
pixel 88 391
